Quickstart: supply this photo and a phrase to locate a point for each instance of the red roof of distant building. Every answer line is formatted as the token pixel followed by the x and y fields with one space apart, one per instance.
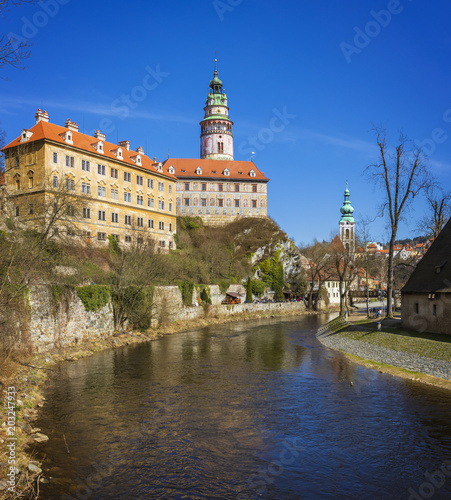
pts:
pixel 49 131
pixel 238 170
pixel 337 244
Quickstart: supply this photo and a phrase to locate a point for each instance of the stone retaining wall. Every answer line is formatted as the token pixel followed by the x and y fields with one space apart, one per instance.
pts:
pixel 67 323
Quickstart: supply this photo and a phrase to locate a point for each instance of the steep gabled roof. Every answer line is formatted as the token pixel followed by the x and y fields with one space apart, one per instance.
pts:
pixel 337 244
pixel 433 272
pixel 237 170
pixel 49 131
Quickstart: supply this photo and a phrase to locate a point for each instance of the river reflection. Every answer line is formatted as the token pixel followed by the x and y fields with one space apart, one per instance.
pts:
pixel 244 410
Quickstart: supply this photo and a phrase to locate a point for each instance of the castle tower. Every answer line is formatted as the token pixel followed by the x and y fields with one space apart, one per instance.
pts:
pixel 347 224
pixel 216 138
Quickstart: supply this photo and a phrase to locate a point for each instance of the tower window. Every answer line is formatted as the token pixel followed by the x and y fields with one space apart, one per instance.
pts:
pixel 220 147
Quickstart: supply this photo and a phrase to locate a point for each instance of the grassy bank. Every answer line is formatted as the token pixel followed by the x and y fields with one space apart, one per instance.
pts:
pixel 28 373
pixel 409 342
pixel 431 345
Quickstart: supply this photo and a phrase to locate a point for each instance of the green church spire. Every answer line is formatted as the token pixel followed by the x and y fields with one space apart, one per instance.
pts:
pixel 347 210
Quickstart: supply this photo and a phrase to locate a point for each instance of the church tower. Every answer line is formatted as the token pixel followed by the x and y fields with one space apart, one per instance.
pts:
pixel 216 138
pixel 347 224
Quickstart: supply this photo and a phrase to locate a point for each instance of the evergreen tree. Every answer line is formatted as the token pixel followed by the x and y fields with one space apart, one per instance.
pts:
pixel 249 290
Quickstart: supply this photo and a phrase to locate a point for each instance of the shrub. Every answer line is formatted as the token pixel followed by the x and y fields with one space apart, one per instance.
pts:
pixel 205 295
pixel 187 292
pixel 113 245
pixel 94 297
pixel 258 287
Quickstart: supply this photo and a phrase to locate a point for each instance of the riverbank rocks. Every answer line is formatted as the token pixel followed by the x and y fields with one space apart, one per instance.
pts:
pixel 40 438
pixel 34 469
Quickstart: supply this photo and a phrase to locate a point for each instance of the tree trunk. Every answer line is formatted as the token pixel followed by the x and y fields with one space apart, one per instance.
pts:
pixel 390 275
pixel 342 309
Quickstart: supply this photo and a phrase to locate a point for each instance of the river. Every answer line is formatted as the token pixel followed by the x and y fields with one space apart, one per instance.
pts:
pixel 241 411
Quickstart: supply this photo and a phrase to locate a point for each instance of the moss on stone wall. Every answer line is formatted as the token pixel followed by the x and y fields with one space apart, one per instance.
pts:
pixel 94 297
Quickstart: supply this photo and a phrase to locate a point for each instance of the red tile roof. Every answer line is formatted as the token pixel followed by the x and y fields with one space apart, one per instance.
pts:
pixel 50 131
pixel 239 170
pixel 337 244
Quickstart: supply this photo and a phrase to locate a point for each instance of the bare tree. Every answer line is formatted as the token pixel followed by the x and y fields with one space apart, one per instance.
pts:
pixel 134 270
pixel 345 269
pixel 402 174
pixel 13 50
pixel 320 262
pixel 364 240
pixel 438 213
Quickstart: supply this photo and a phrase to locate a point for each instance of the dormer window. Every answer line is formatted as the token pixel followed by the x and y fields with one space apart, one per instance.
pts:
pixel 67 137
pixel 226 171
pixel 98 146
pixel 160 167
pixel 171 170
pixel 26 135
pixel 198 171
pixel 117 152
pixel 252 173
pixel 136 159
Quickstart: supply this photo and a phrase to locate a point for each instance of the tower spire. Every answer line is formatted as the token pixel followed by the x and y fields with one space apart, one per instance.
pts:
pixel 216 140
pixel 347 223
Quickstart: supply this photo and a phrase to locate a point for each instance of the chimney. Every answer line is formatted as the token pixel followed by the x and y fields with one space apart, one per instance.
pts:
pixel 71 125
pixel 41 116
pixel 140 150
pixel 155 159
pixel 99 135
pixel 124 144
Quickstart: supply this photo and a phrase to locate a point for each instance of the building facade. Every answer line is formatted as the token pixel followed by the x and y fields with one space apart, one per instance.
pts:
pixel 219 191
pixel 216 187
pixel 426 297
pixel 104 188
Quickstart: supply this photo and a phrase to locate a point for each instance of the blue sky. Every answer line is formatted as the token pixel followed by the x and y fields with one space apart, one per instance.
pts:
pixel 140 70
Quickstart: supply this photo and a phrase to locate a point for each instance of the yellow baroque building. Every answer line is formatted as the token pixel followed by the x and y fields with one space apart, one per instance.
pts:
pixel 102 188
